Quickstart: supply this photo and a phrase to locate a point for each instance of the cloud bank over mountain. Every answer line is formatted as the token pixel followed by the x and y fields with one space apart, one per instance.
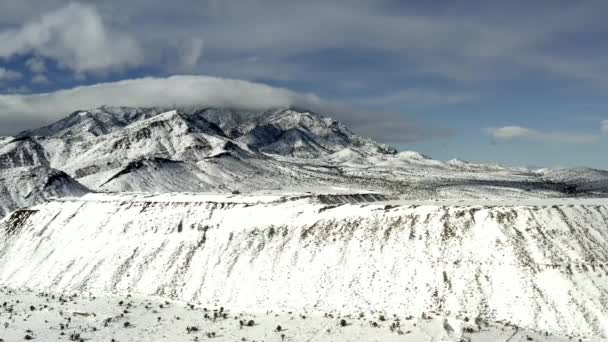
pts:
pixel 22 111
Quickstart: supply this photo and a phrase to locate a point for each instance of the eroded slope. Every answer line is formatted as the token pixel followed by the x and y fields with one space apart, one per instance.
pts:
pixel 543 267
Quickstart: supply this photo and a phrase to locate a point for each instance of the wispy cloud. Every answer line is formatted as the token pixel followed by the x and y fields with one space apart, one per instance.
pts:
pixel 36 65
pixel 9 75
pixel 519 133
pixel 191 53
pixel 604 126
pixel 40 79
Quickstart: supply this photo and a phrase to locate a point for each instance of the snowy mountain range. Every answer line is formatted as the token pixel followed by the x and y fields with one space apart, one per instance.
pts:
pixel 117 149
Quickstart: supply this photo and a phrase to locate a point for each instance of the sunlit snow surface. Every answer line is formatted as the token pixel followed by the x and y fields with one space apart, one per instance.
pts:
pixel 53 317
pixel 540 265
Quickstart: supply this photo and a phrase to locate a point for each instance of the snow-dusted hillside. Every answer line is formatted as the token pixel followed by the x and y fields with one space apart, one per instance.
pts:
pixel 581 179
pixel 22 186
pixel 541 265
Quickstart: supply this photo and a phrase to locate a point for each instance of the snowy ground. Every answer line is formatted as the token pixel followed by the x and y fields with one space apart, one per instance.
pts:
pixel 57 317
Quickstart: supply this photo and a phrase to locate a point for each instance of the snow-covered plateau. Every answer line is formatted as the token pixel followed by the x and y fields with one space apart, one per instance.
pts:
pixel 535 266
pixel 282 214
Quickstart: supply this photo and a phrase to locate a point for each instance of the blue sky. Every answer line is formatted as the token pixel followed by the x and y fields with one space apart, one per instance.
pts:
pixel 513 82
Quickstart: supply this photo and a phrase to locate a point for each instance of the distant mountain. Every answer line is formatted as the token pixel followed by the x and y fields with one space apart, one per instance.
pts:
pixel 290 132
pixel 222 149
pixel 580 179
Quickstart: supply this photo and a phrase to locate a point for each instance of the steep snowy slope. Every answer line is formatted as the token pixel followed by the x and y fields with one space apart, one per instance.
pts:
pixel 84 124
pixel 25 186
pixel 291 132
pixel 541 266
pixel 169 135
pixel 156 175
pixel 4 140
pixel 24 151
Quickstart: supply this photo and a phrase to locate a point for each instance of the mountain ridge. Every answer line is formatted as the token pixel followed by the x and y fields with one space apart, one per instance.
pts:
pixel 153 149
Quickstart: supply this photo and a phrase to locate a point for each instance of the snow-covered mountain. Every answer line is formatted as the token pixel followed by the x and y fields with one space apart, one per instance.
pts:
pixel 119 149
pixel 291 132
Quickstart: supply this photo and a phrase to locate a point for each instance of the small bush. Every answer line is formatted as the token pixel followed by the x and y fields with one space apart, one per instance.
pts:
pixel 191 329
pixel 343 323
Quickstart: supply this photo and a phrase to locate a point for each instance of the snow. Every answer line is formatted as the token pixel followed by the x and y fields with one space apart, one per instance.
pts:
pixel 540 266
pixel 102 318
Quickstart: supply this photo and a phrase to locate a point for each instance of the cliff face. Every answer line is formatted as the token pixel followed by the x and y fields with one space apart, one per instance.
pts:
pixel 539 266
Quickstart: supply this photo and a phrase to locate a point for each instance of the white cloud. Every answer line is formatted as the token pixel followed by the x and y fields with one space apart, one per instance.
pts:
pixel 36 65
pixel 76 37
pixel 18 112
pixel 518 133
pixel 40 79
pixel 9 75
pixel 182 90
pixel 604 126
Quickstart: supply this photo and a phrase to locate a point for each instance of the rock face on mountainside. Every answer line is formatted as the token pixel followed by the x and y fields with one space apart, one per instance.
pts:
pixel 540 266
pixel 117 149
pixel 290 132
pixel 22 186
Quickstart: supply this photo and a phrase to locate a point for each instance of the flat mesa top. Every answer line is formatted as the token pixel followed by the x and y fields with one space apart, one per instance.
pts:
pixel 266 196
pixel 349 197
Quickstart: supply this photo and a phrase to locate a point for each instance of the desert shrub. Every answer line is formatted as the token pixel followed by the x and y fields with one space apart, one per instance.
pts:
pixel 191 329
